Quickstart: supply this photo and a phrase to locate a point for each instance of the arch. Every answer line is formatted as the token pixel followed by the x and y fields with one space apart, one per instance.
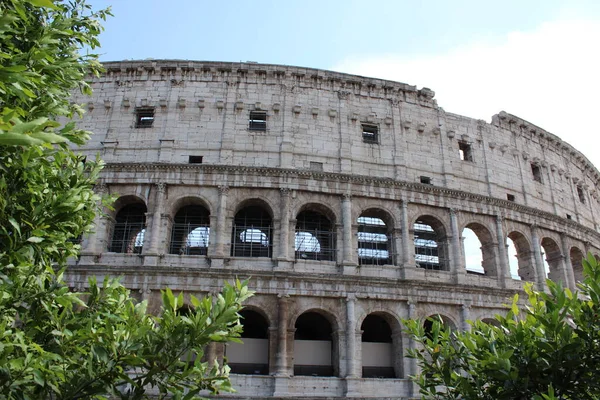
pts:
pixel 186 200
pixel 479 250
pixel 375 238
pixel 446 322
pixel 525 267
pixel 553 259
pixel 381 346
pixel 314 236
pixel 431 243
pixel 315 347
pixel 491 321
pixel 576 257
pixel 251 356
pixel 252 231
pixel 190 231
pixel 129 226
pixel 255 202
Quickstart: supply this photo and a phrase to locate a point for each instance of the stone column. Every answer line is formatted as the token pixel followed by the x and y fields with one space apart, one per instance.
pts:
pixel 284 226
pixel 93 244
pixel 456 265
pixel 465 315
pixel 411 363
pixel 502 264
pixel 282 333
pixel 569 273
pixel 351 338
pixel 221 213
pixel 407 260
pixel 347 229
pixel 539 261
pixel 156 232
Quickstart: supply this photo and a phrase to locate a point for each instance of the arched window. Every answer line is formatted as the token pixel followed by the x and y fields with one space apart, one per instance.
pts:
pixel 552 260
pixel 520 257
pixel 374 241
pixel 251 356
pixel 252 233
pixel 430 245
pixel 479 250
pixel 378 354
pixel 129 229
pixel 445 321
pixel 191 230
pixel 315 237
pixel 313 346
pixel 576 256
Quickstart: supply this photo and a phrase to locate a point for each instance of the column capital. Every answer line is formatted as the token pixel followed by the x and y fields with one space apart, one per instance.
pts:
pixel 223 190
pixel 499 218
pixel 161 187
pixel 347 196
pixel 285 192
pixel 101 188
pixel 350 297
pixel 452 212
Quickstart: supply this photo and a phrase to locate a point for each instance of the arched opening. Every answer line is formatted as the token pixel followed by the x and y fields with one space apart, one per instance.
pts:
pixel 479 251
pixel 380 353
pixel 491 321
pixel 576 256
pixel 315 237
pixel 251 356
pixel 553 260
pixel 374 239
pixel 129 229
pixel 251 236
pixel 519 249
pixel 190 232
pixel 445 321
pixel 313 346
pixel 430 244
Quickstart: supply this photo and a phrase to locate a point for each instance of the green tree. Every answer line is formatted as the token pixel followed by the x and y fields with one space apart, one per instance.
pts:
pixel 54 343
pixel 548 350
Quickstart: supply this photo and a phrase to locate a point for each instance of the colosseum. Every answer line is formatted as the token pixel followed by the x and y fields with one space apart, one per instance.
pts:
pixel 345 199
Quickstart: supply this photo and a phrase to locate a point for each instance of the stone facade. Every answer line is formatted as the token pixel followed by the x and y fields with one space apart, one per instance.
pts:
pixel 342 197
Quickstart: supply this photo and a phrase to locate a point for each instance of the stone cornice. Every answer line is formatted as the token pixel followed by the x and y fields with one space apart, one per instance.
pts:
pixel 178 71
pixel 356 179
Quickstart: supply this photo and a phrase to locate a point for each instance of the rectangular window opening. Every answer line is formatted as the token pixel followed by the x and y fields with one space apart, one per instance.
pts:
pixel 536 170
pixel 580 194
pixel 195 159
pixel 370 133
pixel 144 117
pixel 257 121
pixel 426 180
pixel 316 166
pixel 510 197
pixel 465 151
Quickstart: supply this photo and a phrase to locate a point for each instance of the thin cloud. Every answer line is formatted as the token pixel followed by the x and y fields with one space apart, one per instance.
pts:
pixel 548 76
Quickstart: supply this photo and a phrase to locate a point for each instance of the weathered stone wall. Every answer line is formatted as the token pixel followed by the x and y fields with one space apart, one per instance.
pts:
pixel 312 117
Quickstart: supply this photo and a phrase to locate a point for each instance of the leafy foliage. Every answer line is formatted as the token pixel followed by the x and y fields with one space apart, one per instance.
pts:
pixel 54 343
pixel 550 350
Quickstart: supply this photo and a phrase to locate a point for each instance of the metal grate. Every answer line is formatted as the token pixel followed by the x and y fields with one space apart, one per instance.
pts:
pixel 370 133
pixel 144 117
pixel 257 121
pixel 374 243
pixel 191 231
pixel 251 234
pixel 129 229
pixel 315 237
pixel 426 247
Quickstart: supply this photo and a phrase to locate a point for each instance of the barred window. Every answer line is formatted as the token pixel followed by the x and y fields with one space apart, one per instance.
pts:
pixel 129 229
pixel 374 242
pixel 315 237
pixel 190 232
pixel 428 252
pixel 252 233
pixel 257 121
pixel 144 117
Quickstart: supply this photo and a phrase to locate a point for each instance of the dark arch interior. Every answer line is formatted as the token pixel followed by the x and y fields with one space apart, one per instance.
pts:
pixel 378 349
pixel 251 357
pixel 313 359
pixel 255 325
